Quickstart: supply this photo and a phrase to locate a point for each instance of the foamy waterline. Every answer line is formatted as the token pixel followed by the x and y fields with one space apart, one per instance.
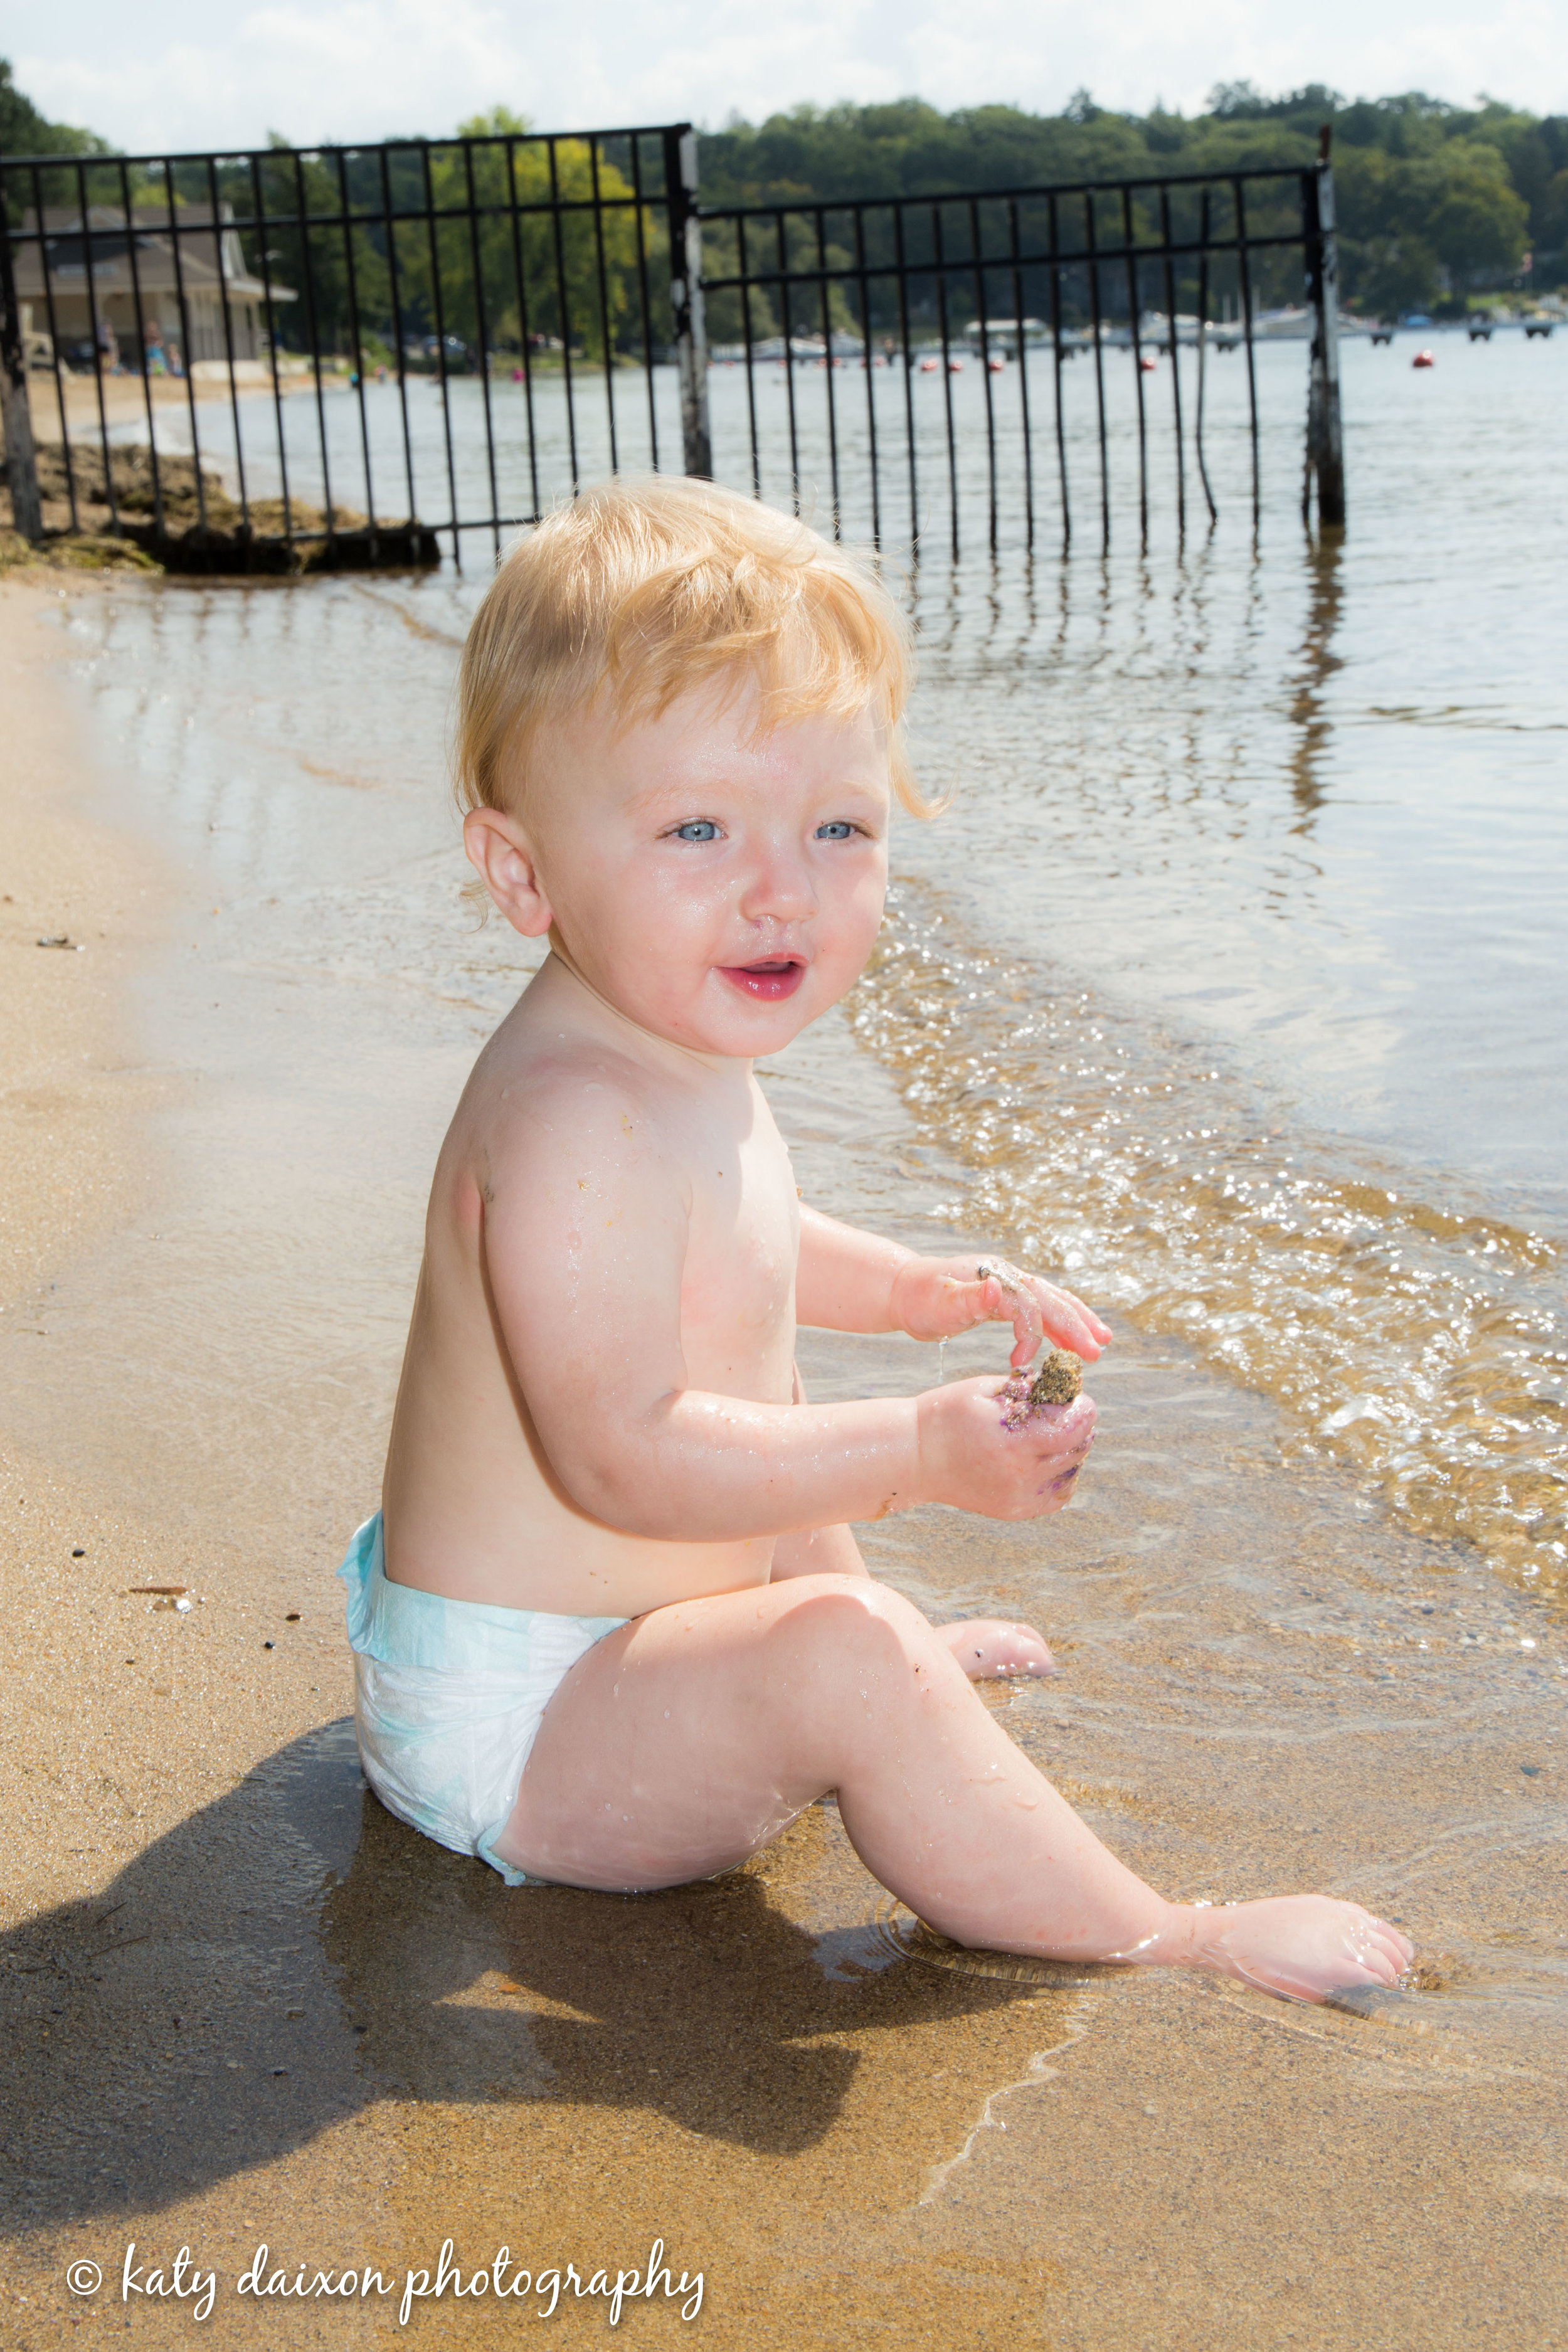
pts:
pixel 1422 1344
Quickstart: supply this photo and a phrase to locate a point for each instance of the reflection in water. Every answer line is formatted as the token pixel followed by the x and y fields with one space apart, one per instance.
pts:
pixel 1320 664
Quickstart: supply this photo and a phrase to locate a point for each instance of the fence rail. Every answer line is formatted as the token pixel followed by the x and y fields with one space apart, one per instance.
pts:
pixel 344 355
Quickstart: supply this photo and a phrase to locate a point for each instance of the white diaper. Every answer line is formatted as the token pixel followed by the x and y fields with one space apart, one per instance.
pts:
pixel 448 1697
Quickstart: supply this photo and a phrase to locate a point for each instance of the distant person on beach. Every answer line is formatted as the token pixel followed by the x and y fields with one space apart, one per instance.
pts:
pixel 612 1627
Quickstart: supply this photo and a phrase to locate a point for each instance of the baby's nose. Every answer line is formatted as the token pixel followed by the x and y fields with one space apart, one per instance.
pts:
pixel 781 890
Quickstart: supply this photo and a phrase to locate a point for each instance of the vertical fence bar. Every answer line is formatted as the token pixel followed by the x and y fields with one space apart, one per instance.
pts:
pixel 1098 369
pixel 228 339
pixel 303 215
pixel 519 280
pixel 398 335
pixel 647 314
pixel 787 304
pixel 868 362
pixel 185 341
pixel 482 331
pixel 1022 373
pixel 746 339
pixel 258 204
pixel 946 371
pixel 1134 317
pixel 1244 275
pixel 1203 225
pixel 1057 370
pixel 141 317
pixel 93 330
pixel 21 456
pixel 1175 364
pixel 55 347
pixel 975 248
pixel 907 363
pixel 356 335
pixel 440 310
pixel 827 310
pixel 1325 430
pixel 565 307
pixel 608 340
pixel 686 299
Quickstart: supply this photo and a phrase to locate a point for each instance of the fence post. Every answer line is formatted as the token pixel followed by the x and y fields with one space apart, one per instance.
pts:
pixel 21 458
pixel 1325 434
pixel 685 297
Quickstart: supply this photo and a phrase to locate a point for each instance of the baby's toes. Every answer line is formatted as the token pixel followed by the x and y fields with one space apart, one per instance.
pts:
pixel 989 1648
pixel 1388 1951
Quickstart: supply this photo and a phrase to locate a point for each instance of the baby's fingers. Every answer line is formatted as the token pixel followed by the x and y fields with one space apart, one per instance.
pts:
pixel 1068 1323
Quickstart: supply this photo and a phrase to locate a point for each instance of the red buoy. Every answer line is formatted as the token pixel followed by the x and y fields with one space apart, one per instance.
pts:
pixel 1146 363
pixel 1423 359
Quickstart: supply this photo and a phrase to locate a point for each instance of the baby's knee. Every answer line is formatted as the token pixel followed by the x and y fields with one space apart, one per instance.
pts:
pixel 851 1617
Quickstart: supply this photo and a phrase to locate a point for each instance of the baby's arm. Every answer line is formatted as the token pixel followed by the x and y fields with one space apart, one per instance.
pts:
pixel 585 1236
pixel 852 1281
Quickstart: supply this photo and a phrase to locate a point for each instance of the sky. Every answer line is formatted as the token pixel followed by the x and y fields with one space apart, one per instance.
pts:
pixel 171 74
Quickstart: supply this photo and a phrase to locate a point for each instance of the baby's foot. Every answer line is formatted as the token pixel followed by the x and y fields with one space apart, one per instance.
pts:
pixel 1305 1947
pixel 988 1648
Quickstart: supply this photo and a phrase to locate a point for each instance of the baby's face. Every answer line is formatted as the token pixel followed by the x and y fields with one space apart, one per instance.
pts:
pixel 719 886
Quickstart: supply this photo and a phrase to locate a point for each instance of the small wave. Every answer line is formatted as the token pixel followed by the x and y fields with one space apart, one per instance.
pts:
pixel 1421 1343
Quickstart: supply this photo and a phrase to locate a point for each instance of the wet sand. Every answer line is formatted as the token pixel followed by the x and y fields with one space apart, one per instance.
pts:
pixel 246 2005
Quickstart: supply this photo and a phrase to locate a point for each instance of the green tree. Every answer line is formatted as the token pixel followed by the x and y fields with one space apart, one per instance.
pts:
pixel 25 132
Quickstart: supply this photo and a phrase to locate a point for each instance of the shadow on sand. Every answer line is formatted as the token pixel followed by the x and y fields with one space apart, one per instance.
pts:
pixel 292 1955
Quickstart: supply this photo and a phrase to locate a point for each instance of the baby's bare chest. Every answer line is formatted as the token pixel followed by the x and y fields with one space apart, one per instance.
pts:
pixel 738 1282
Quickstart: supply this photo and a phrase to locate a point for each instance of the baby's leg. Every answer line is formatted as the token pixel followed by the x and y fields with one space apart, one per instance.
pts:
pixel 686 1741
pixel 988 1648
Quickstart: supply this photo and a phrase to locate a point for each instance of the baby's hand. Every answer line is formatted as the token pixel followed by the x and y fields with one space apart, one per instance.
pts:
pixel 970 1458
pixel 936 1298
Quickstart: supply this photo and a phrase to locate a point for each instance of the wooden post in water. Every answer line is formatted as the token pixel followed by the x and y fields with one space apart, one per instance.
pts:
pixel 685 297
pixel 21 458
pixel 1325 432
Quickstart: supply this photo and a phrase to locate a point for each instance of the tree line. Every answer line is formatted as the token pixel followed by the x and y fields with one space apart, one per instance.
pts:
pixel 1435 201
pixel 1436 204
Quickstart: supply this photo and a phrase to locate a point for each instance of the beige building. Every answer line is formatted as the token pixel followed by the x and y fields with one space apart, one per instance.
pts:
pixel 141 259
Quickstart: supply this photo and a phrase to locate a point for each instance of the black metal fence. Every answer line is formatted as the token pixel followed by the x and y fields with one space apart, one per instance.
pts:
pixel 1160 278
pixel 340 356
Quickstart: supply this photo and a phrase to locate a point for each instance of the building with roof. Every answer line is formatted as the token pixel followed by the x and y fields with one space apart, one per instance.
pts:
pixel 150 284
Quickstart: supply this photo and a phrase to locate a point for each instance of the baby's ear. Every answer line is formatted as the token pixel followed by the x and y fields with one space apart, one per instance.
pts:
pixel 499 851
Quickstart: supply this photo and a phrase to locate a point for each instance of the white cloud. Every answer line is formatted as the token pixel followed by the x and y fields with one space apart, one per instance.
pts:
pixel 176 73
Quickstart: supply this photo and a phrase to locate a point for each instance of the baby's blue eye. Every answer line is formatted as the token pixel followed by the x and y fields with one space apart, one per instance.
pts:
pixel 700 828
pixel 836 831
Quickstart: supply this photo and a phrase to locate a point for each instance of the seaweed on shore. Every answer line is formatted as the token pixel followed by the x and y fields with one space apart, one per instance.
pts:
pixel 179 523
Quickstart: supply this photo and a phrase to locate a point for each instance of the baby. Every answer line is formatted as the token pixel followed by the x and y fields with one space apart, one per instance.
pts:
pixel 612 1627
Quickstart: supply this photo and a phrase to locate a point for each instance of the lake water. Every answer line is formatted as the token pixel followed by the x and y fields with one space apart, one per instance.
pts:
pixel 1233 980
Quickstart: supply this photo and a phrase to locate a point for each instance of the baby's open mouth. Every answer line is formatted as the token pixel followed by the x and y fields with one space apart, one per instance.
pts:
pixel 771 979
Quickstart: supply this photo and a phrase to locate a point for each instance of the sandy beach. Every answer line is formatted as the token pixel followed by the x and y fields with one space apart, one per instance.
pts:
pixel 246 2005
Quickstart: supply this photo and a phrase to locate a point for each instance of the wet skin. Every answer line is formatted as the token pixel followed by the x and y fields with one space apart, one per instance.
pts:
pixel 599 1413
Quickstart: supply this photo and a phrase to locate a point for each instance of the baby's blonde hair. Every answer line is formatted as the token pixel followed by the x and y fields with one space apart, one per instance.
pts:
pixel 641 590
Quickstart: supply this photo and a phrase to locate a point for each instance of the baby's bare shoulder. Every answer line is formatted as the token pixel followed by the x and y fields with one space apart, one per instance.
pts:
pixel 540 1106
